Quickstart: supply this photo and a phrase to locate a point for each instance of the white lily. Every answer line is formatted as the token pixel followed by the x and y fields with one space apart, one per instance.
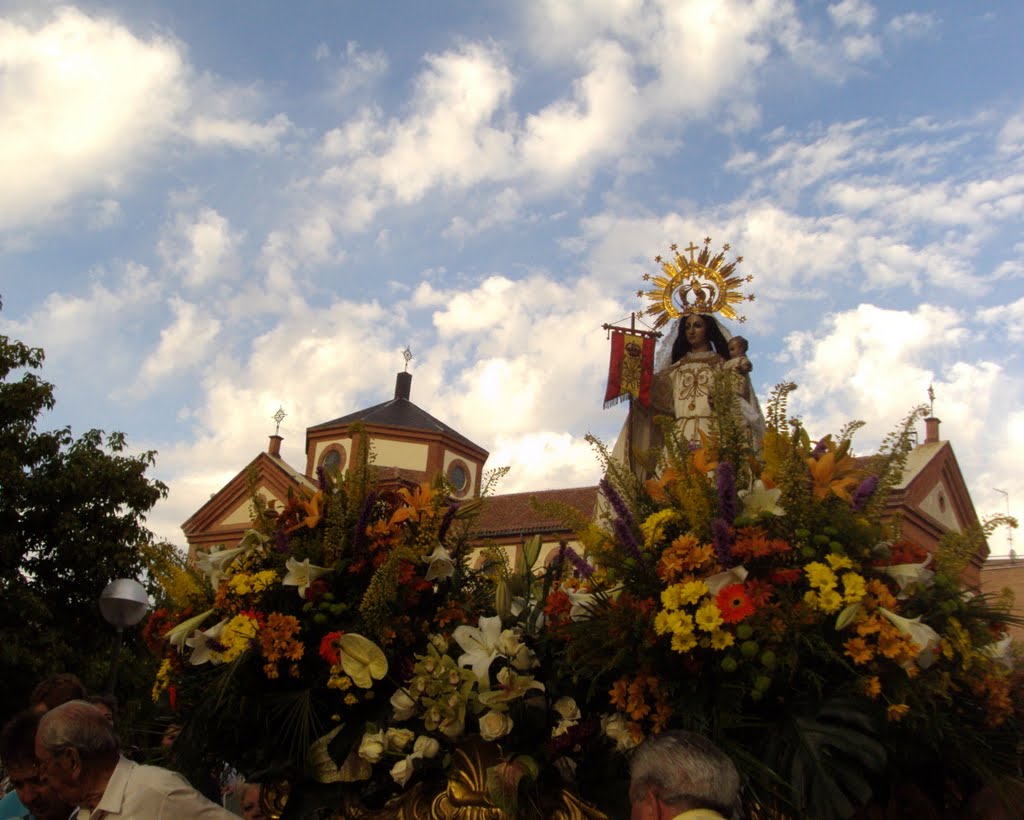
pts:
pixel 716 583
pixel 907 574
pixel 759 500
pixel 923 636
pixel 480 645
pixel 178 634
pixel 583 602
pixel 440 564
pixel 302 574
pixel 206 646
pixel 216 562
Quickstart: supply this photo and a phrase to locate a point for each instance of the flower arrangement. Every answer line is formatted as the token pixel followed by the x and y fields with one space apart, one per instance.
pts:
pixel 757 596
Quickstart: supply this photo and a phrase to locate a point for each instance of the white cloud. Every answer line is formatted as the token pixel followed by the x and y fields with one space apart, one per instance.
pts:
pixel 90 101
pixel 185 343
pixel 1008 319
pixel 852 14
pixel 201 247
pixel 912 24
pixel 239 133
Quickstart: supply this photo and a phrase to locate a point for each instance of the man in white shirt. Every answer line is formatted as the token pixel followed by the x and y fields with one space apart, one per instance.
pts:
pixel 79 759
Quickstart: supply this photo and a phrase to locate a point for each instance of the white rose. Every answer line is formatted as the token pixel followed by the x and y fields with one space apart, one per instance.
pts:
pixel 404 706
pixel 397 739
pixel 567 709
pixel 494 725
pixel 425 746
pixel 402 771
pixel 616 727
pixel 371 748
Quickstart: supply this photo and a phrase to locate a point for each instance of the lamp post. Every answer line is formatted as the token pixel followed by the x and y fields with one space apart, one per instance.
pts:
pixel 123 602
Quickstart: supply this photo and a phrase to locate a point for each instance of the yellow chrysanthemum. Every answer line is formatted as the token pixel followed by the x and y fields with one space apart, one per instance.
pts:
pixel 872 687
pixel 829 600
pixel 238 636
pixel 838 562
pixel 722 639
pixel 653 529
pixel 819 576
pixel 683 642
pixel 661 622
pixel 854 587
pixel 709 617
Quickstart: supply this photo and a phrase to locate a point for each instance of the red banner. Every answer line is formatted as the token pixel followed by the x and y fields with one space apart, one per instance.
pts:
pixel 631 369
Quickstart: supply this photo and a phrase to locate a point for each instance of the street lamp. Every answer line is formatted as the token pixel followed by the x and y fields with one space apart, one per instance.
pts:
pixel 123 602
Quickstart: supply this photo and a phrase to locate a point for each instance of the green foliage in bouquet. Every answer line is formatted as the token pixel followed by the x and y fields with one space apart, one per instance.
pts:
pixel 758 597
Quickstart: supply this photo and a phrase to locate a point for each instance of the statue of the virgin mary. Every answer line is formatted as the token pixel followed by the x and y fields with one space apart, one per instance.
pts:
pixel 689 358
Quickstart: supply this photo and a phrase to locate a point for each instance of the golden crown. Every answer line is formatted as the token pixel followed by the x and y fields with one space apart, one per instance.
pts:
pixel 700 284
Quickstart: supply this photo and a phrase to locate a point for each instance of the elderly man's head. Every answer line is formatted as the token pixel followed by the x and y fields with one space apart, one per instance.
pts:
pixel 17 752
pixel 75 743
pixel 678 771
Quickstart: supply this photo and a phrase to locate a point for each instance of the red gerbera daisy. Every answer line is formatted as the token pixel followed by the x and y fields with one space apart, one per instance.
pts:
pixel 734 603
pixel 329 647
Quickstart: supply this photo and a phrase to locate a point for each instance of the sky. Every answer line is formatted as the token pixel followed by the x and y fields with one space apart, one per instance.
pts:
pixel 212 210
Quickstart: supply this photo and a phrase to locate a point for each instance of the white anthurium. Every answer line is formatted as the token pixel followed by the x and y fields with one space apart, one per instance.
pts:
pixel 759 500
pixel 178 635
pixel 923 636
pixel 440 564
pixel 716 583
pixel 215 563
pixel 907 575
pixel 480 645
pixel 206 646
pixel 362 659
pixel 302 574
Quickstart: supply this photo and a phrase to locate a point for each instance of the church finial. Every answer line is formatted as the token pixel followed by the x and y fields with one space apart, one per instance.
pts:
pixel 407 355
pixel 931 400
pixel 278 417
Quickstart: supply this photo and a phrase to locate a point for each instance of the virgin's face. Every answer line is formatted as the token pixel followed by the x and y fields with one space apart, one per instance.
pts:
pixel 696 332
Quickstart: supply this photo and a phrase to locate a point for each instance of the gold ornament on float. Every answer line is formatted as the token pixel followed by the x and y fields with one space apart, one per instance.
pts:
pixel 704 283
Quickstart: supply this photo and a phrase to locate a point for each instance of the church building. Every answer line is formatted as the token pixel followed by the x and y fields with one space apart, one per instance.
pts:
pixel 411 446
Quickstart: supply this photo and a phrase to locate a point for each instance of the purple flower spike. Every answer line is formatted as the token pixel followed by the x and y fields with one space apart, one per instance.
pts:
pixel 819 449
pixel 321 477
pixel 627 539
pixel 618 505
pixel 726 481
pixel 721 542
pixel 583 569
pixel 864 491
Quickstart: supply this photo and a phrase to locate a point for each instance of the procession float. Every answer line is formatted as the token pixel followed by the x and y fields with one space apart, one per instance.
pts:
pixel 361 656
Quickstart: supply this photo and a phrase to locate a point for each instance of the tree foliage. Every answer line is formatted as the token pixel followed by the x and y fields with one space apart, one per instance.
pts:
pixel 72 514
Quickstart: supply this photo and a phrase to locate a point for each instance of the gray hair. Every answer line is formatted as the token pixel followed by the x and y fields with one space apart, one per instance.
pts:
pixel 79 725
pixel 687 770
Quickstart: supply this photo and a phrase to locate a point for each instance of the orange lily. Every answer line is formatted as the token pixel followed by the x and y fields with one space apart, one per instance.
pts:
pixel 418 504
pixel 314 508
pixel 832 476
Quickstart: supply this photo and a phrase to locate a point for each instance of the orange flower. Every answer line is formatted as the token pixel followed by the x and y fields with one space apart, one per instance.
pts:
pixel 897 712
pixel 834 476
pixel 658 488
pixel 734 603
pixel 872 686
pixel 858 651
pixel 418 504
pixel 313 508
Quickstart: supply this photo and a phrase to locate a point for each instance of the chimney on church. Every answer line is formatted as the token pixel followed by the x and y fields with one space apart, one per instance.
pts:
pixel 931 430
pixel 275 446
pixel 403 385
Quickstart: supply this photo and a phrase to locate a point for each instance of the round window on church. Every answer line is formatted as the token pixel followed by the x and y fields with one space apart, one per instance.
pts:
pixel 333 460
pixel 458 476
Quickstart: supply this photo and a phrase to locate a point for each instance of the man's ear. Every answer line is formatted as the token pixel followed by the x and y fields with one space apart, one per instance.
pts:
pixel 74 762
